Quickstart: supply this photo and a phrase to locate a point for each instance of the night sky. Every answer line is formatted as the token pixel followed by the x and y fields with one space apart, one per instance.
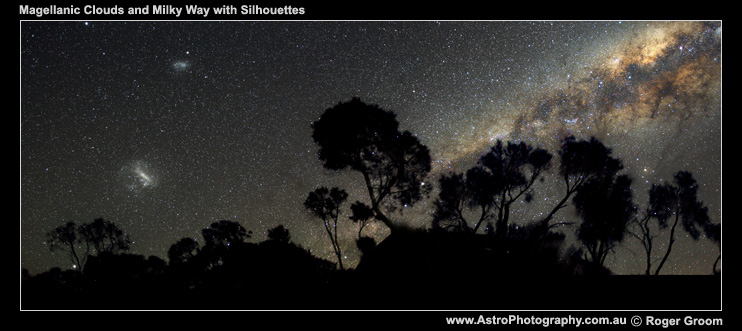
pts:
pixel 166 127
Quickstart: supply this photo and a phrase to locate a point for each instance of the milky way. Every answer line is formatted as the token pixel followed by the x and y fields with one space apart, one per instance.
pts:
pixel 165 127
pixel 668 73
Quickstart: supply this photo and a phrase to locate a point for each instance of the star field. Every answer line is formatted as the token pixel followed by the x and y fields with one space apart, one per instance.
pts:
pixel 166 127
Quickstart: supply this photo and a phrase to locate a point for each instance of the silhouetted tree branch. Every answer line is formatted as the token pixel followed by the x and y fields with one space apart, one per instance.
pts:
pixel 581 161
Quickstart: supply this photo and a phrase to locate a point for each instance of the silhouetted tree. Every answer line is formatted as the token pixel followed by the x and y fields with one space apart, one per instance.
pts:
pixel 502 176
pixel 512 169
pixel 64 237
pixel 454 199
pixel 100 236
pixel 678 203
pixel 325 204
pixel 645 237
pixel 666 203
pixel 367 139
pixel 606 206
pixel 183 250
pixel 581 162
pixel 279 234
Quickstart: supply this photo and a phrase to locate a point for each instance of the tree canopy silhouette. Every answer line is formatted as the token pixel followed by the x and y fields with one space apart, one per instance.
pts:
pixel 606 206
pixel 507 173
pixel 105 236
pixel 366 138
pixel 502 176
pixel 64 237
pixel 99 236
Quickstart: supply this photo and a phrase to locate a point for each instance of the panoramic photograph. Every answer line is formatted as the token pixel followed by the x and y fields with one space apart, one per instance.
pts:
pixel 370 165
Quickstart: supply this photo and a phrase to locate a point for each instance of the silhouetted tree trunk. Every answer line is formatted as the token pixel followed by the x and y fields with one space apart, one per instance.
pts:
pixel 713 232
pixel 669 245
pixel 647 240
pixel 679 201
